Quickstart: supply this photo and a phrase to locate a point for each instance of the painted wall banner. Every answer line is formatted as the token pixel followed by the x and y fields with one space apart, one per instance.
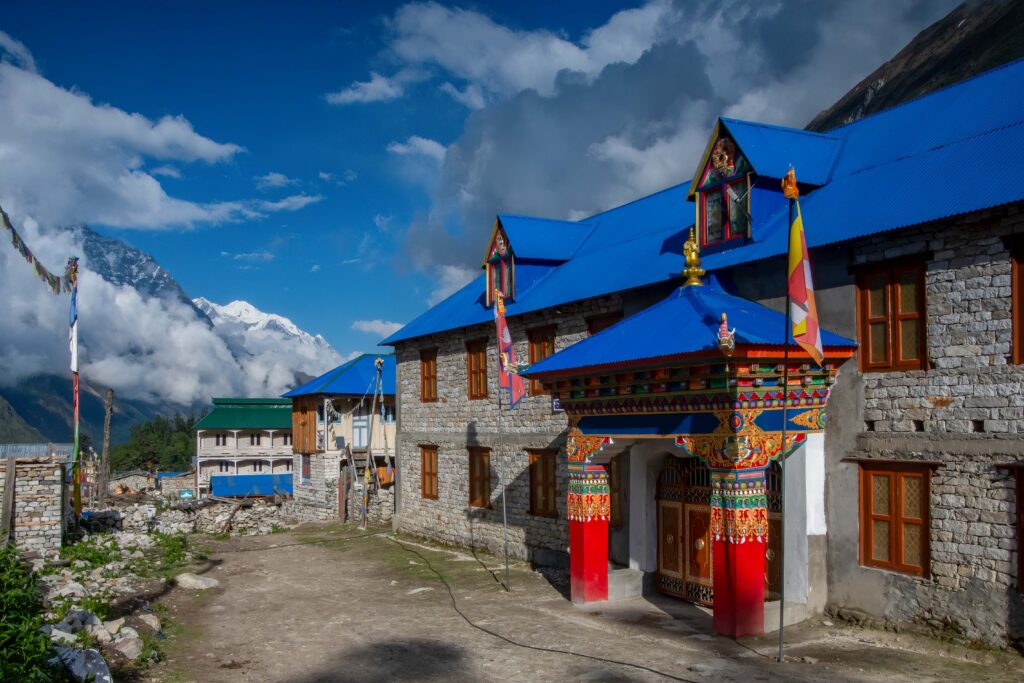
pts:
pixel 186 493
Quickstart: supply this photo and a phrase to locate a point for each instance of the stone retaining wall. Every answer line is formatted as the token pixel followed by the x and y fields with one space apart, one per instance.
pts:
pixel 39 503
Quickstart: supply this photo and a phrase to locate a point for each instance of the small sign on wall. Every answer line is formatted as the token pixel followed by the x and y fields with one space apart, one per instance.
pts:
pixel 186 494
pixel 556 405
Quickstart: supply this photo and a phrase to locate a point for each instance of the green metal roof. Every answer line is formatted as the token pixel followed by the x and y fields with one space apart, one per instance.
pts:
pixel 248 413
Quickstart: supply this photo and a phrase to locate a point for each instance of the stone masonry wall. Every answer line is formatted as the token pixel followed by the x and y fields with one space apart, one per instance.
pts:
pixel 964 414
pixel 454 423
pixel 38 504
pixel 317 498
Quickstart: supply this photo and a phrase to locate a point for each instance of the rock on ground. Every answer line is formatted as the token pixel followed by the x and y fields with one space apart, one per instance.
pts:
pixel 129 647
pixel 84 665
pixel 195 582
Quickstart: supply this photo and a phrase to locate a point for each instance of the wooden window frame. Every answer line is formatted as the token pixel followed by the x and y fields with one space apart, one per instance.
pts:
pixel 543 477
pixel 896 518
pixel 1017 304
pixel 599 323
pixel 307 467
pixel 893 318
pixel 476 369
pixel 722 188
pixel 541 345
pixel 428 472
pixel 479 477
pixel 428 376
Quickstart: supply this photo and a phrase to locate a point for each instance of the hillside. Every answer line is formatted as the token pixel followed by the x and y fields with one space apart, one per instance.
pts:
pixel 975 37
pixel 13 429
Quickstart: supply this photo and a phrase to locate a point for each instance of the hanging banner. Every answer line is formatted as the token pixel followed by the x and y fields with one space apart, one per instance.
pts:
pixel 55 283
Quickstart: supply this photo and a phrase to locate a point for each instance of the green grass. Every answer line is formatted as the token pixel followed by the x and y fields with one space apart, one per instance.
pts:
pixel 96 551
pixel 24 650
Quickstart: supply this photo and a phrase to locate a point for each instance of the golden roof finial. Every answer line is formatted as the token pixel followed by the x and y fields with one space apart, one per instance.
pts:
pixel 499 301
pixel 691 252
pixel 789 188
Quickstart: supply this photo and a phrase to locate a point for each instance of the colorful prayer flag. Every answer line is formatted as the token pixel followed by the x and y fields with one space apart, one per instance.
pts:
pixel 508 378
pixel 802 309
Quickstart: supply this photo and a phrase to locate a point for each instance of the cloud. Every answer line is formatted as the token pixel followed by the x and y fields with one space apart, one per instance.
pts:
pixel 67 159
pixel 350 261
pixel 347 176
pixel 381 328
pixel 263 256
pixel 15 51
pixel 315 268
pixel 292 203
pixel 471 96
pixel 382 222
pixel 274 179
pixel 419 146
pixel 377 89
pixel 572 128
pixel 450 279
pixel 166 171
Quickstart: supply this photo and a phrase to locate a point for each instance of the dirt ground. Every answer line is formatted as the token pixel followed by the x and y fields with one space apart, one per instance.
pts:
pixel 327 603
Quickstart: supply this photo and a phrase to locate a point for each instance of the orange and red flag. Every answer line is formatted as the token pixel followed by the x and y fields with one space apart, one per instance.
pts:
pixel 802 309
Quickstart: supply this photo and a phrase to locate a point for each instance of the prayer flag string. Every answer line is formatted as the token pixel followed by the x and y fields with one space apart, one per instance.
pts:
pixel 55 283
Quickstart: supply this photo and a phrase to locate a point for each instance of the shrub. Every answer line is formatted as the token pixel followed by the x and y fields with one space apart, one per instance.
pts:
pixel 95 550
pixel 24 650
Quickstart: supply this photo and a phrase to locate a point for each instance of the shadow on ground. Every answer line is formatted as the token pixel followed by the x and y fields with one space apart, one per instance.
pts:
pixel 395 660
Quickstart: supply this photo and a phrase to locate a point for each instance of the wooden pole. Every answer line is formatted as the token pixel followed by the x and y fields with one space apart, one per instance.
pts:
pixel 782 460
pixel 7 517
pixel 103 471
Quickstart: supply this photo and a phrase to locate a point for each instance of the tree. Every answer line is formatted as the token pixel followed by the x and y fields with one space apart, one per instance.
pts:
pixel 167 444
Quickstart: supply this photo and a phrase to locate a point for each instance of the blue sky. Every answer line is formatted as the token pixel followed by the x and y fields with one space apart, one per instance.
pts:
pixel 341 163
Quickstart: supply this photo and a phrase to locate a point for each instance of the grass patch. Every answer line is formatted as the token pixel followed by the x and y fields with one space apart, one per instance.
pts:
pixel 96 551
pixel 24 651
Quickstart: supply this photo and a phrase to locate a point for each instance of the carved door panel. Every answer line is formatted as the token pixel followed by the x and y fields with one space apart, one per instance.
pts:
pixel 699 554
pixel 670 542
pixel 772 556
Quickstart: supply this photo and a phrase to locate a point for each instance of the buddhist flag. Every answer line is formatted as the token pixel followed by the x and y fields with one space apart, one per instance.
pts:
pixel 73 330
pixel 802 310
pixel 508 377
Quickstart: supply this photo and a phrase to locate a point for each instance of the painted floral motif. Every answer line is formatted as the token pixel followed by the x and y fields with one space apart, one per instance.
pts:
pixel 739 511
pixel 589 497
pixel 811 419
pixel 579 447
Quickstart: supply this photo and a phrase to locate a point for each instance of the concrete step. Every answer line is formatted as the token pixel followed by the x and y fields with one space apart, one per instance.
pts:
pixel 625 583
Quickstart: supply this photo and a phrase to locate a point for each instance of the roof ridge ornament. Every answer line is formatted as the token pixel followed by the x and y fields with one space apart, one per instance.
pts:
pixel 789 188
pixel 691 252
pixel 726 337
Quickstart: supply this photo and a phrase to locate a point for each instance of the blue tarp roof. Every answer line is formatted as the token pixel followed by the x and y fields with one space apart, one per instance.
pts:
pixel 686 322
pixel 352 378
pixel 927 159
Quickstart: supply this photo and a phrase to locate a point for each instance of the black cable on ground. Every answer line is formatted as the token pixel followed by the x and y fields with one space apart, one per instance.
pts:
pixel 537 648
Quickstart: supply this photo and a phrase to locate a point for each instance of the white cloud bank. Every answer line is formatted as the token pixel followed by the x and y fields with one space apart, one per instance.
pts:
pixel 381 328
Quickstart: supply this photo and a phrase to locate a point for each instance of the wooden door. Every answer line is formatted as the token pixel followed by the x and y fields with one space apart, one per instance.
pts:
pixel 670 540
pixel 699 552
pixel 342 494
pixel 773 548
pixel 684 531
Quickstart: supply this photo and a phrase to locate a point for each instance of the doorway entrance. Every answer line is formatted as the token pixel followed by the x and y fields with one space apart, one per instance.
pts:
pixel 683 496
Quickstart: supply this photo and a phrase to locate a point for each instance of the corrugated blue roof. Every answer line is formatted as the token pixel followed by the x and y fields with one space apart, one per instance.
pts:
pixel 544 238
pixel 772 149
pixel 351 378
pixel 686 322
pixel 944 154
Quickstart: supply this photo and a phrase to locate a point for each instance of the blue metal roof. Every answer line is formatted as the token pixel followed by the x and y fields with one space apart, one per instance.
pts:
pixel 944 154
pixel 686 322
pixel 771 150
pixel 544 238
pixel 352 378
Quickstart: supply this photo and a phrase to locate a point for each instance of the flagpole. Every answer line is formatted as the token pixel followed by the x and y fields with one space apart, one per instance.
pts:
pixel 76 469
pixel 782 458
pixel 501 476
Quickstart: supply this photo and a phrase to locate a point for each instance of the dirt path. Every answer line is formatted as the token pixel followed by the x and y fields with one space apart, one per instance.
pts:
pixel 317 605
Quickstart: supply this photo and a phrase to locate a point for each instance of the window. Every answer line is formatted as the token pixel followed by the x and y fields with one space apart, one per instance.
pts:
pixel 602 322
pixel 305 467
pixel 428 472
pixel 254 439
pixel 542 345
pixel 479 477
pixel 361 426
pixel 723 201
pixel 257 466
pixel 476 368
pixel 891 319
pixel 615 489
pixel 1017 299
pixel 287 465
pixel 221 440
pixel 500 267
pixel 287 439
pixel 894 525
pixel 389 413
pixel 542 483
pixel 224 466
pixel 428 376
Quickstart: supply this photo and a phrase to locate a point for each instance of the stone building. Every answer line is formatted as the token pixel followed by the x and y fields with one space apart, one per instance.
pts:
pixel 344 426
pixel 40 506
pixel 903 508
pixel 245 437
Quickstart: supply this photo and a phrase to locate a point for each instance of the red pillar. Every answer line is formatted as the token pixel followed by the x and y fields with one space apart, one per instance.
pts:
pixel 589 510
pixel 740 528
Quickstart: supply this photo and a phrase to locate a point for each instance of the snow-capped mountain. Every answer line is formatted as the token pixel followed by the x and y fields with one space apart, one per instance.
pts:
pixel 250 332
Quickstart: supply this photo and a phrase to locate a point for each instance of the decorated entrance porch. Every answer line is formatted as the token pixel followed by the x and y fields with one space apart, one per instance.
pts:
pixel 701 372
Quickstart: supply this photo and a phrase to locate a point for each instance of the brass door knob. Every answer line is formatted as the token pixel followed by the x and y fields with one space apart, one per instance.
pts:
pixel 769 554
pixel 670 539
pixel 699 544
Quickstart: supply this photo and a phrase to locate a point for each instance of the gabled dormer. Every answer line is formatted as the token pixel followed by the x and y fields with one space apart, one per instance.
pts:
pixel 736 186
pixel 721 192
pixel 499 265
